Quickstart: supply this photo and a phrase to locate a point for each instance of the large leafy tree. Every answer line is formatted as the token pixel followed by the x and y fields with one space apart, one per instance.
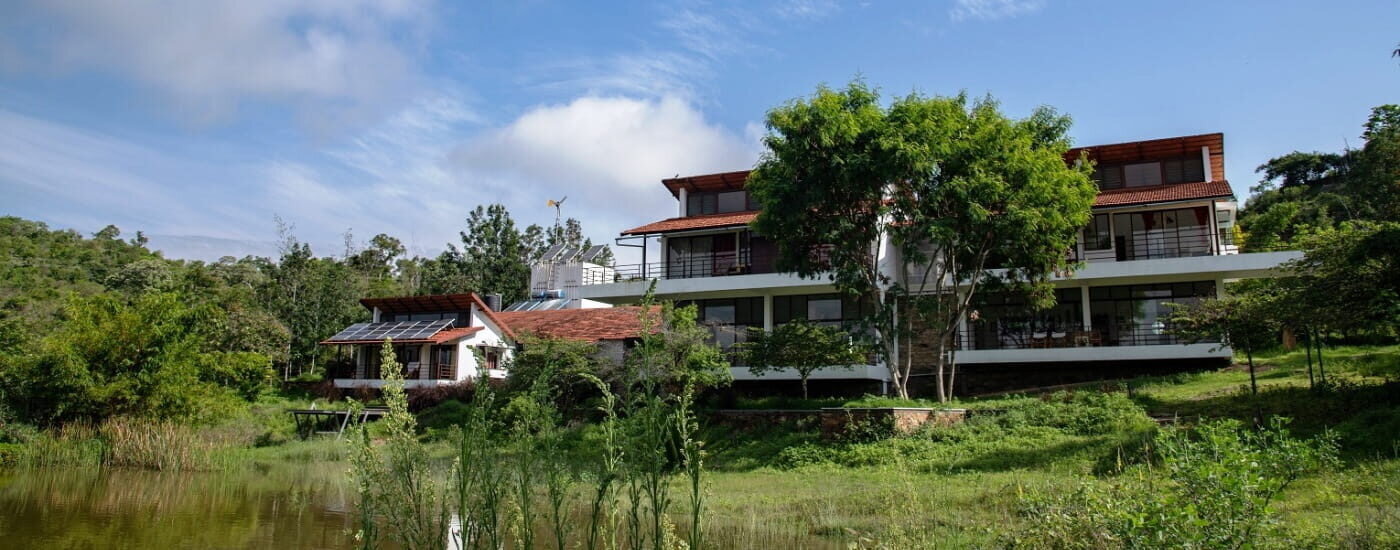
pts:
pixel 960 191
pixel 1303 192
pixel 801 346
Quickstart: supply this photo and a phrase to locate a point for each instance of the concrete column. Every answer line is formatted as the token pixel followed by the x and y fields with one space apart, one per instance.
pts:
pixel 1205 163
pixel 767 312
pixel 680 212
pixel 1220 289
pixel 1084 306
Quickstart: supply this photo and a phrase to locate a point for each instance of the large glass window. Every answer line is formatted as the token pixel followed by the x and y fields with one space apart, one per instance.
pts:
pixel 729 321
pixel 1137 315
pixel 1174 233
pixel 1098 236
pixel 1004 320
pixel 822 309
pixel 709 202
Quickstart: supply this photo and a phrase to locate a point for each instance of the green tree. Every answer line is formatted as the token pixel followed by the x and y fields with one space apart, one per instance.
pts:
pixel 959 189
pixel 148 357
pixel 1244 323
pixel 1300 193
pixel 674 351
pixel 801 346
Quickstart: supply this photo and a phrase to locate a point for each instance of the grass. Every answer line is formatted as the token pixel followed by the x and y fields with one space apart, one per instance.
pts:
pixel 958 486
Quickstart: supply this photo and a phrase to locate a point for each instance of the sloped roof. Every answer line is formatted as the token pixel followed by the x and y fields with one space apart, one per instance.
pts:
pixel 436 302
pixel 441 337
pixel 706 221
pixel 1170 192
pixel 590 324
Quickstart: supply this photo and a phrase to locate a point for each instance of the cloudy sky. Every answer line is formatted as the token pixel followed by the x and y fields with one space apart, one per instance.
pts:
pixel 197 122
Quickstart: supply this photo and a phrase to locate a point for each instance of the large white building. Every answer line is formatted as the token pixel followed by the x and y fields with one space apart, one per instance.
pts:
pixel 1163 231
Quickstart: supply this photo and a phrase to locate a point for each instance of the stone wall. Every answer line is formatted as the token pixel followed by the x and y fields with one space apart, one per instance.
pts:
pixel 904 420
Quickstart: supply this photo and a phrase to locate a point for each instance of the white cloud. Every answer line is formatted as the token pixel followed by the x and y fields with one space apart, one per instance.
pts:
pixel 808 9
pixel 414 176
pixel 608 154
pixel 211 55
pixel 86 179
pixel 993 9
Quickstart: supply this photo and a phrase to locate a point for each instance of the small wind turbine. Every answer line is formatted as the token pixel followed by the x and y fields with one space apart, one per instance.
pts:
pixel 556 205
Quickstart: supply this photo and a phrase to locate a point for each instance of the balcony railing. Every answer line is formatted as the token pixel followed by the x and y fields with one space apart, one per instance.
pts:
pixel 1181 242
pixel 1034 336
pixel 412 371
pixel 719 264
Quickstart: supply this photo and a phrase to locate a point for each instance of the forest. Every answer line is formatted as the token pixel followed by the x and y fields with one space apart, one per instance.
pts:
pixel 98 326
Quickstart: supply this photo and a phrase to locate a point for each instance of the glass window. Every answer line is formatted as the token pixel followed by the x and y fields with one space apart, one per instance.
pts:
pixel 733 201
pixel 824 309
pixel 1142 175
pixel 1136 315
pixel 1109 176
pixel 701 203
pixel 1098 236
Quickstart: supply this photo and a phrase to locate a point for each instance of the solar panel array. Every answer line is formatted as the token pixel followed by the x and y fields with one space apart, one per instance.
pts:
pixel 402 330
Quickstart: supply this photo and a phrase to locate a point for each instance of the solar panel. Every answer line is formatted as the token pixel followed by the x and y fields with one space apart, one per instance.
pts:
pixel 400 330
pixel 593 252
pixel 552 252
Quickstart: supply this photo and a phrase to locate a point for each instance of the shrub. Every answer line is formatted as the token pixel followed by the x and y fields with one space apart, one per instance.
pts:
pixel 1212 490
pixel 424 398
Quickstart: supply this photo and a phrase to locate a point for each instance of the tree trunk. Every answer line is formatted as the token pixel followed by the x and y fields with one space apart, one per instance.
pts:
pixel 804 386
pixel 1253 384
pixel 1307 348
pixel 941 387
pixel 1321 370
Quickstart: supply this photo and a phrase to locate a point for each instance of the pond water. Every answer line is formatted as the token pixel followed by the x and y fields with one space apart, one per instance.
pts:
pixel 121 509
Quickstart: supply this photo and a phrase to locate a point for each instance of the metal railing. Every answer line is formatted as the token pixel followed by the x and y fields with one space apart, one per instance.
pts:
pixel 719 264
pixel 1181 242
pixel 1029 335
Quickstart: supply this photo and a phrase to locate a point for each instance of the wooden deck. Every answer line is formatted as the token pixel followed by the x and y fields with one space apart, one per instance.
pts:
pixel 326 421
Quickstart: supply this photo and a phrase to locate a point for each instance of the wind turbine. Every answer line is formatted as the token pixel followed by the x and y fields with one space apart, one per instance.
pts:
pixel 556 205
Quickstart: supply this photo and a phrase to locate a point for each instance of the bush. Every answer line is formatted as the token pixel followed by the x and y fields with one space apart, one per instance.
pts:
pixel 1082 430
pixel 420 399
pixel 443 416
pixel 1212 490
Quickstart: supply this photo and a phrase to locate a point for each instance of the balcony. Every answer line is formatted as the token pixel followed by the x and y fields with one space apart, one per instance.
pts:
pixel 1016 336
pixel 1183 242
pixel 717 264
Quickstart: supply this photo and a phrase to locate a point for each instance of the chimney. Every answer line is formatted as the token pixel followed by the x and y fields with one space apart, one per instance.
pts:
pixel 493 301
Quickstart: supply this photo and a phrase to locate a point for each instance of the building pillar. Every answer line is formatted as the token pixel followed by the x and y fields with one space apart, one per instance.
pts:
pixel 1220 289
pixel 1087 319
pixel 767 312
pixel 680 212
pixel 1205 163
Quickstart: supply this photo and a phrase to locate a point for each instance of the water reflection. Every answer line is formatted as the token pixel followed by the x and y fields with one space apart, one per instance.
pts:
pixel 309 507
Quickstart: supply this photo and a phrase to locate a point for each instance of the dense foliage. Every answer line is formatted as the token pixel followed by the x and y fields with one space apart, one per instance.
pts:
pixel 94 327
pixel 960 189
pixel 1303 192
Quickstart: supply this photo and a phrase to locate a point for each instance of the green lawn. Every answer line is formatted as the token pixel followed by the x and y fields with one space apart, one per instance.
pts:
pixel 959 487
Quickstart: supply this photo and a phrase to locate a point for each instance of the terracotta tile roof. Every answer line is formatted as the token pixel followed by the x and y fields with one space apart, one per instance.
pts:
pixel 707 221
pixel 1163 193
pixel 454 334
pixel 591 324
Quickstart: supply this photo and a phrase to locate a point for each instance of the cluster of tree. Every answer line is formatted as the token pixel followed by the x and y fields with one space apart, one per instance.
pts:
pixel 92 327
pixel 1343 211
pixel 1304 192
pixel 957 188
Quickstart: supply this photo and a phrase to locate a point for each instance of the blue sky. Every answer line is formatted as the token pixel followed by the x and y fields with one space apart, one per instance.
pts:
pixel 197 122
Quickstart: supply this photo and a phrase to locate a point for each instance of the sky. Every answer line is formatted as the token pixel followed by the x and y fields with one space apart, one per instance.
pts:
pixel 201 123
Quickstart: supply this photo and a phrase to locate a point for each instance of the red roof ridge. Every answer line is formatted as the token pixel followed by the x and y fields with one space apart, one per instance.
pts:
pixel 703 221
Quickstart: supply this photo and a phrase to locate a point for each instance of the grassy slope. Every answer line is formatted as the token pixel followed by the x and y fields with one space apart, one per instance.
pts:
pixel 960 489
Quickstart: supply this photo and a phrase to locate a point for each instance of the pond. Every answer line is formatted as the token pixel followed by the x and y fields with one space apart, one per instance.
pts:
pixel 121 509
